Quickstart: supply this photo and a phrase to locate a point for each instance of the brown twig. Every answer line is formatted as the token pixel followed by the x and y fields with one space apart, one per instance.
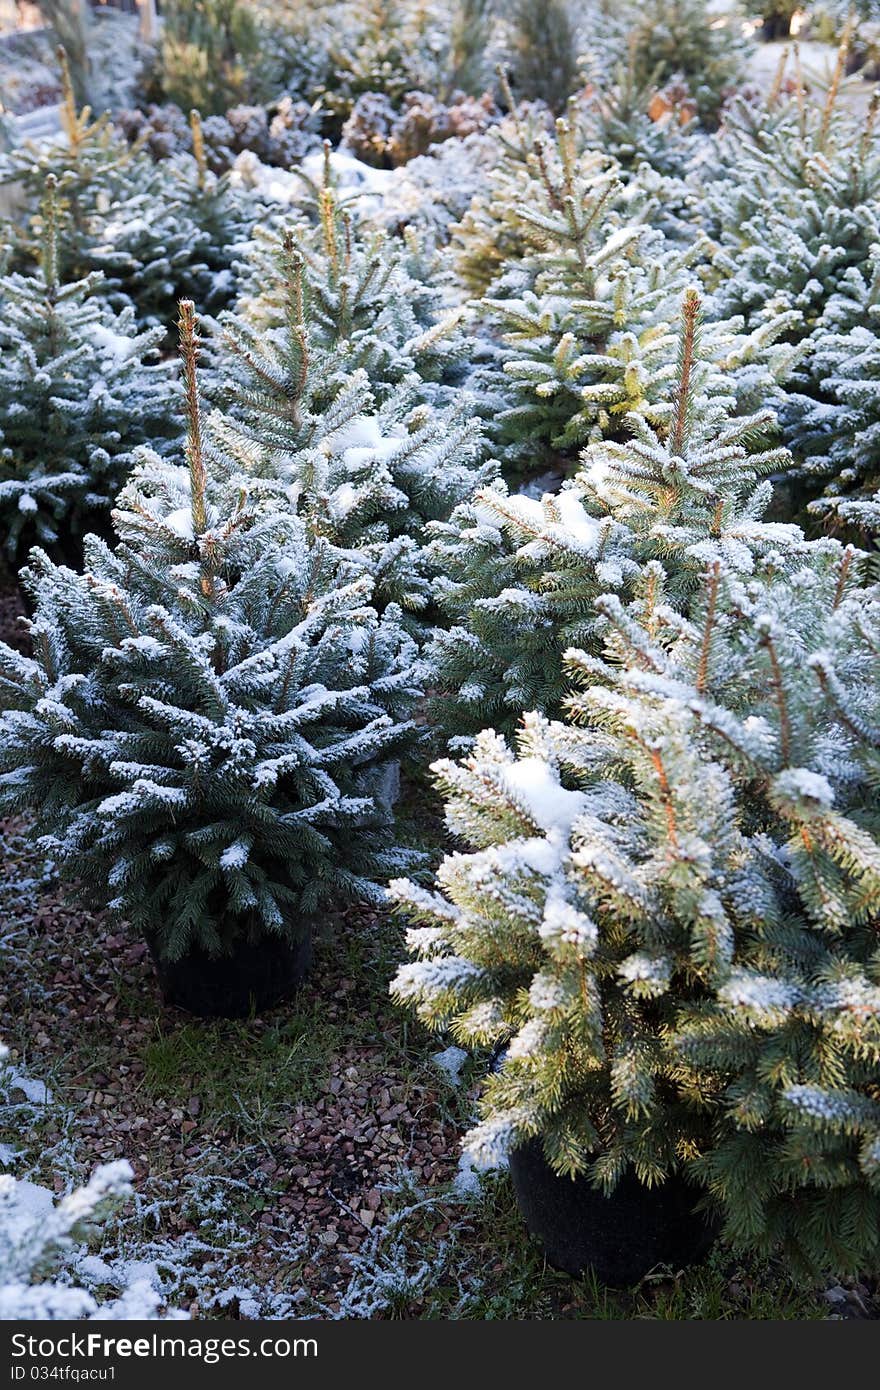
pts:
pixel 690 313
pixel 189 352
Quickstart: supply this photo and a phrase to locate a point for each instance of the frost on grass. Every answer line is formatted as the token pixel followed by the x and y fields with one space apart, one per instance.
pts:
pixel 208 1268
pixel 25 873
pixel 400 1263
pixel 105 1250
pixel 35 1092
pixel 467 1180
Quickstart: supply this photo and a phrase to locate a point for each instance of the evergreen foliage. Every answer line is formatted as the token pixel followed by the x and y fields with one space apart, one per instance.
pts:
pixel 639 124
pixel 180 238
pixel 71 22
pixel 544 57
pixel 489 234
pixel 206 734
pixel 157 231
pixel 80 388
pixel 581 300
pixel 838 437
pixel 387 47
pixel 518 576
pixel 667 907
pixel 680 41
pixel 797 222
pixel 219 212
pixel 371 300
pixel 89 161
pixel 584 302
pixel 208 54
pixel 469 38
pixel 305 429
pixel 662 905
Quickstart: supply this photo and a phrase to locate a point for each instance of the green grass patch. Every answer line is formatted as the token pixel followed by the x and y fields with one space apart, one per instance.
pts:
pixel 242 1069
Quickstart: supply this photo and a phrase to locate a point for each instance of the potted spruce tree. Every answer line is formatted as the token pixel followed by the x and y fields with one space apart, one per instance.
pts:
pixel 666 915
pixel 207 731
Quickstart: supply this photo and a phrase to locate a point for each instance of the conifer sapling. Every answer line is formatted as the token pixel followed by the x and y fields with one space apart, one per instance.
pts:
pixel 80 387
pixel 517 574
pixel 666 911
pixel 207 732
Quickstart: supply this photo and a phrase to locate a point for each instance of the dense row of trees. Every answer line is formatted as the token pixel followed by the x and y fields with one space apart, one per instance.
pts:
pixel 584 502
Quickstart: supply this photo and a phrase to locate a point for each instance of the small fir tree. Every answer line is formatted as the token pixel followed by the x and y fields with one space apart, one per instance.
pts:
pixel 796 219
pixel 544 52
pixel 642 125
pixel 679 40
pixel 489 233
pixel 581 307
pixel 585 307
pixel 157 231
pixel 210 54
pixel 306 431
pixel 220 212
pixel 373 301
pixel 88 161
pixel 206 733
pixel 153 248
pixel 815 156
pixel 80 388
pixel 666 911
pixel 517 576
pixel 386 47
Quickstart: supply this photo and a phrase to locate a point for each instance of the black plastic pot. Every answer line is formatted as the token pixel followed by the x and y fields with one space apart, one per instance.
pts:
pixel 619 1238
pixel 253 977
pixel 776 26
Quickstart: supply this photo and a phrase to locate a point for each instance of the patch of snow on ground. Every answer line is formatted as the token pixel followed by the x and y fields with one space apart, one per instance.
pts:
pixel 348 172
pixel 35 1092
pixel 289 187
pixel 467 1181
pixel 450 1061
